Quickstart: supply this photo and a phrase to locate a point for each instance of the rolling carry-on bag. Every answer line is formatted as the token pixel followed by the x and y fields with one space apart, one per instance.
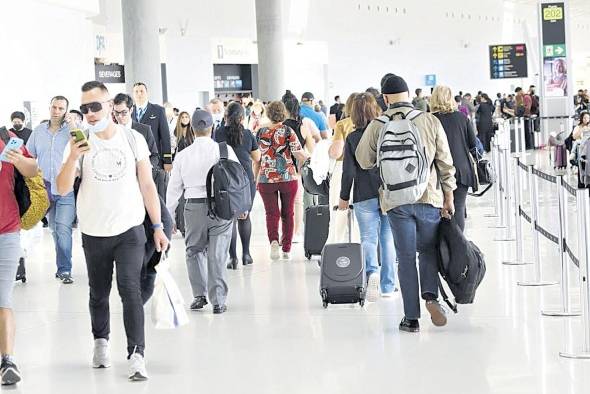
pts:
pixel 560 157
pixel 317 227
pixel 343 272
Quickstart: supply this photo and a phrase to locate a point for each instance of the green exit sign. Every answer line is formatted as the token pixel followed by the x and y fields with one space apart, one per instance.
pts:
pixel 554 50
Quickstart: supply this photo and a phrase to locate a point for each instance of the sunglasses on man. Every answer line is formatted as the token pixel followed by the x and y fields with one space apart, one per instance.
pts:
pixel 95 106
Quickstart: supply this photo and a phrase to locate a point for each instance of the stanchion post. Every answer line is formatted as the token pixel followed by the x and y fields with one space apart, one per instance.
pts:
pixel 522 136
pixel 506 186
pixel 496 184
pixel 519 246
pixel 534 195
pixel 566 309
pixel 517 134
pixel 583 205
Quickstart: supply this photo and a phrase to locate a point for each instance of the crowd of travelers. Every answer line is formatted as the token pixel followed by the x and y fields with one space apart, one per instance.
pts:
pixel 130 173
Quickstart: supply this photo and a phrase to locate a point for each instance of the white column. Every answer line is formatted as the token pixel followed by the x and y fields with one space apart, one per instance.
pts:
pixel 271 58
pixel 142 46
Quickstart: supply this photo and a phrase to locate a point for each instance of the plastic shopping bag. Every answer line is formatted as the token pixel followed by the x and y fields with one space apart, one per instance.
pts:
pixel 167 303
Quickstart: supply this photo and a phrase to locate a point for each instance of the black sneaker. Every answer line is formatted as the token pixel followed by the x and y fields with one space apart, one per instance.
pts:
pixel 409 325
pixel 219 309
pixel 65 277
pixel 10 373
pixel 198 303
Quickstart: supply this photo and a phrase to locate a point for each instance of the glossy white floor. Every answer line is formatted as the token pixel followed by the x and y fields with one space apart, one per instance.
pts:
pixel 277 338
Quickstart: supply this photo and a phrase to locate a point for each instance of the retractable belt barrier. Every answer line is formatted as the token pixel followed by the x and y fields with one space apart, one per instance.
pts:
pixel 508 207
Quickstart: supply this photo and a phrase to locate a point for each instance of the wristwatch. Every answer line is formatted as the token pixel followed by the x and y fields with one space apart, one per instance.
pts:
pixel 156 226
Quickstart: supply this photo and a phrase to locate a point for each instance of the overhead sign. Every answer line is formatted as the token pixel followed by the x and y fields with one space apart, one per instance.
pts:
pixel 109 73
pixel 430 80
pixel 553 23
pixel 508 61
pixel 554 49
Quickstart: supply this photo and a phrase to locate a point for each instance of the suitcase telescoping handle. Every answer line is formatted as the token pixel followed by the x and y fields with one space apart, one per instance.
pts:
pixel 350 220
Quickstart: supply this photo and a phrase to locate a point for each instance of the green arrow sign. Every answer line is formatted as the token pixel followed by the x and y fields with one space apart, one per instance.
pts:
pixel 554 50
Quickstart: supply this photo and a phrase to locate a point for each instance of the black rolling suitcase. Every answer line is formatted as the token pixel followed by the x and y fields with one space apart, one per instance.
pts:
pixel 343 272
pixel 317 227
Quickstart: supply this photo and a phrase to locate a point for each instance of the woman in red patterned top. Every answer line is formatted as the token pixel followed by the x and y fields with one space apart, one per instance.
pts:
pixel 10 252
pixel 277 177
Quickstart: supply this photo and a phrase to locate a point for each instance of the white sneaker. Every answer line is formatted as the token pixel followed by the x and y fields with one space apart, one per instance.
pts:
pixel 286 256
pixel 372 288
pixel 274 250
pixel 101 357
pixel 137 370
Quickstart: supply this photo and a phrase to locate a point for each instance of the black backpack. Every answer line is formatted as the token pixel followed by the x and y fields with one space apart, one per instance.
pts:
pixel 460 262
pixel 228 188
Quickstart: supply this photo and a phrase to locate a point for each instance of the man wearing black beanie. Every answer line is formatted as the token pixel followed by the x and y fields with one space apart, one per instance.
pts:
pixel 414 220
pixel 18 126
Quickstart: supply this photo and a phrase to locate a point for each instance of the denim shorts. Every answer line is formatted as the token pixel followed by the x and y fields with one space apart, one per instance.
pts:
pixel 11 252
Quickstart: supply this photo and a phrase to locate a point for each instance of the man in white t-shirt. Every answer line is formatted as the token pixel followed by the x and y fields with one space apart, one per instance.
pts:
pixel 116 190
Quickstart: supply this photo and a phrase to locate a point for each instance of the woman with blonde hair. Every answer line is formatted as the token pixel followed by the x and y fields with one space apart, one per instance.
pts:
pixel 257 117
pixel 375 230
pixel 345 126
pixel 461 137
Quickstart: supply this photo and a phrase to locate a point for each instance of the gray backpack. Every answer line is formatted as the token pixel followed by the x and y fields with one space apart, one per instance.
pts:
pixel 401 158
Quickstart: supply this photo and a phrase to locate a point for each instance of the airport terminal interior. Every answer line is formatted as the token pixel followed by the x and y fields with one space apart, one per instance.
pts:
pixel 363 154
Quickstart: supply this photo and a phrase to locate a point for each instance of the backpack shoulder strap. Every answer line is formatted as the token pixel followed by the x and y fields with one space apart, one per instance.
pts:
pixel 223 151
pixel 383 119
pixel 413 114
pixel 132 142
pixel 210 196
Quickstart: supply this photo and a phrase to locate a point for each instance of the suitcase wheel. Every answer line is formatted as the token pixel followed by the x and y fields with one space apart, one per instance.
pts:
pixel 362 303
pixel 308 255
pixel 324 295
pixel 24 279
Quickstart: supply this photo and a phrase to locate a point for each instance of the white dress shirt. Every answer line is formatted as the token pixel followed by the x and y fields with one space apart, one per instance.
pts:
pixel 189 173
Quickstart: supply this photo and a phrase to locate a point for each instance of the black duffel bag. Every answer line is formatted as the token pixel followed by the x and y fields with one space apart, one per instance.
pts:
pixel 460 263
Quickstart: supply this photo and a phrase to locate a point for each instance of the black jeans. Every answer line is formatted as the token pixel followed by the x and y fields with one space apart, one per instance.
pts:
pixel 126 250
pixel 460 196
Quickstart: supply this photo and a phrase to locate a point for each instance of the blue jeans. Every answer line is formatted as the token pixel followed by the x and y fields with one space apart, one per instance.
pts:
pixel 61 215
pixel 376 232
pixel 415 228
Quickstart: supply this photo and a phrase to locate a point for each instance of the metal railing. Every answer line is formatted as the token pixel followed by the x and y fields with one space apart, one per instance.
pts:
pixel 511 213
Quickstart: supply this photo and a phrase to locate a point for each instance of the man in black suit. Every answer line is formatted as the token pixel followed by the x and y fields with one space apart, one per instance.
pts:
pixel 18 126
pixel 337 108
pixel 123 104
pixel 217 111
pixel 154 116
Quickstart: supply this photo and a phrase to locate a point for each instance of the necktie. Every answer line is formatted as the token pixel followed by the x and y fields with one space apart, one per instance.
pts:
pixel 140 112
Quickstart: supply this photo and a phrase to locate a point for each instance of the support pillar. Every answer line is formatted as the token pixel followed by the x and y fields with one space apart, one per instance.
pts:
pixel 141 42
pixel 271 57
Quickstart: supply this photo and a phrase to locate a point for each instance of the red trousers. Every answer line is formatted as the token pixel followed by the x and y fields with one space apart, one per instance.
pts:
pixel 270 193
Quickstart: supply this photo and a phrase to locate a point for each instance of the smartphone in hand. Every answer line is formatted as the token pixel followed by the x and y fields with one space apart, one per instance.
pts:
pixel 13 144
pixel 78 136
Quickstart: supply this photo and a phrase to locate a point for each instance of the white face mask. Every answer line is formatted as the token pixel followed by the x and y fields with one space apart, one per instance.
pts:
pixel 99 126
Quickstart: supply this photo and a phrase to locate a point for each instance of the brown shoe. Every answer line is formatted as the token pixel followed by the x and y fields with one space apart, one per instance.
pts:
pixel 437 313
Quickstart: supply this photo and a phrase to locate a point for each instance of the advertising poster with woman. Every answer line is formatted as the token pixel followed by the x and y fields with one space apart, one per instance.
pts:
pixel 555 75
